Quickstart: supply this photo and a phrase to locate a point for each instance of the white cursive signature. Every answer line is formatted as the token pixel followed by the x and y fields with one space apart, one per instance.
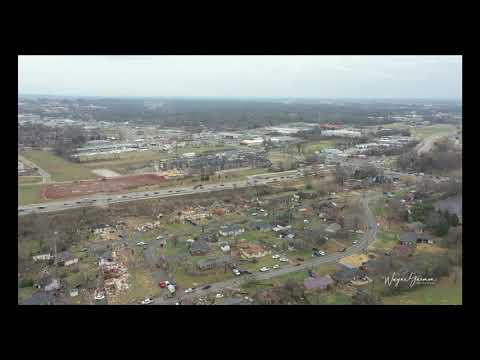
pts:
pixel 412 279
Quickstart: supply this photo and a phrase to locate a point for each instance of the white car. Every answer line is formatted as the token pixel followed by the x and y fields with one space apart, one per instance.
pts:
pixel 236 272
pixel 219 296
pixel 141 243
pixel 147 301
pixel 283 259
pixel 276 266
pixel 263 269
pixel 275 256
pixel 189 290
pixel 355 242
pixel 100 296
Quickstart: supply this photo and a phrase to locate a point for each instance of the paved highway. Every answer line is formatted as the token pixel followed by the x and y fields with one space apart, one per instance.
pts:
pixel 367 239
pixel 105 199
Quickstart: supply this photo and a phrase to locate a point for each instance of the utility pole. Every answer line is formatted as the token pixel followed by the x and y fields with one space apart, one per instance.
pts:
pixel 55 247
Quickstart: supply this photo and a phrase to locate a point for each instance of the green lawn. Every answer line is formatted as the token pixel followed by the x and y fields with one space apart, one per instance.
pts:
pixel 185 280
pixel 25 293
pixel 59 168
pixel 428 295
pixel 26 249
pixel 323 144
pixel 29 194
pixel 386 240
pixel 29 179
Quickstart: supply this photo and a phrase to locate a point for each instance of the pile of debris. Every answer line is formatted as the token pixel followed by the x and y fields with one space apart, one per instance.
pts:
pixel 115 272
pixel 148 226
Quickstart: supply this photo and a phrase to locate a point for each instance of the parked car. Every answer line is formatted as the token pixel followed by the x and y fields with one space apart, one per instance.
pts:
pixel 141 243
pixel 206 287
pixel 189 290
pixel 355 242
pixel 263 269
pixel 147 301
pixel 170 287
pixel 236 272
pixel 342 249
pixel 219 296
pixel 276 266
pixel 162 284
pixel 275 256
pixel 283 259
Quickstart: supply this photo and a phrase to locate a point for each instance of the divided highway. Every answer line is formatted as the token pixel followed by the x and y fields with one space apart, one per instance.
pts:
pixel 105 199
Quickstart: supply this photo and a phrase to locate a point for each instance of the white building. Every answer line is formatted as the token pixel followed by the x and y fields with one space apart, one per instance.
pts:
pixel 189 155
pixel 342 132
pixel 252 142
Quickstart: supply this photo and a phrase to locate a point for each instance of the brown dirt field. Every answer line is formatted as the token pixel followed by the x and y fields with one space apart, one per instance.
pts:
pixel 88 187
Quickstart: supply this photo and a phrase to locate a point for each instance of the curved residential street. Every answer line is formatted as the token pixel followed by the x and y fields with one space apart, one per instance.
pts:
pixel 368 238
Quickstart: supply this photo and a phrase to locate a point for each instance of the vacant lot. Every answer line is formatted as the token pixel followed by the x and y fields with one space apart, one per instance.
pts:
pixel 439 129
pixel 29 194
pixel 57 191
pixel 60 169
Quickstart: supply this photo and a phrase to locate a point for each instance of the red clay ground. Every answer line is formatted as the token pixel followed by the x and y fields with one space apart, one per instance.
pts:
pixel 87 187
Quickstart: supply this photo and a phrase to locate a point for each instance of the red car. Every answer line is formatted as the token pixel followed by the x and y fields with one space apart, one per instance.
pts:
pixel 162 284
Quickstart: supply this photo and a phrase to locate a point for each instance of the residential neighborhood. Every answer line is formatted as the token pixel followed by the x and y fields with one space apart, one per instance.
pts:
pixel 206 201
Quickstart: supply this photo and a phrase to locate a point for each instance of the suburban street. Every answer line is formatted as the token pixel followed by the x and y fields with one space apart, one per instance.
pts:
pixel 368 238
pixel 46 178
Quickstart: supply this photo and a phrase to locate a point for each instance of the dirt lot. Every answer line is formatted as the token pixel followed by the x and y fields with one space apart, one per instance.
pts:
pixel 57 191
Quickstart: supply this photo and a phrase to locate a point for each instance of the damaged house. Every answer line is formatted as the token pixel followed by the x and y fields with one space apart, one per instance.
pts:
pixel 213 263
pixel 231 230
pixel 199 247
pixel 66 258
pixel 250 251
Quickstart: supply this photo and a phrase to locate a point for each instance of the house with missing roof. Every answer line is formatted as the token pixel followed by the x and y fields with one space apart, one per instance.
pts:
pixel 250 251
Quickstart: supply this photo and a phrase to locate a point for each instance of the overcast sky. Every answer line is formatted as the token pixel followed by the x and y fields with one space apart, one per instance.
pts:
pixel 243 76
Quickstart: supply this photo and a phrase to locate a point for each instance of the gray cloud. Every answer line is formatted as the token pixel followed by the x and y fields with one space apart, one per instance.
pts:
pixel 263 76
